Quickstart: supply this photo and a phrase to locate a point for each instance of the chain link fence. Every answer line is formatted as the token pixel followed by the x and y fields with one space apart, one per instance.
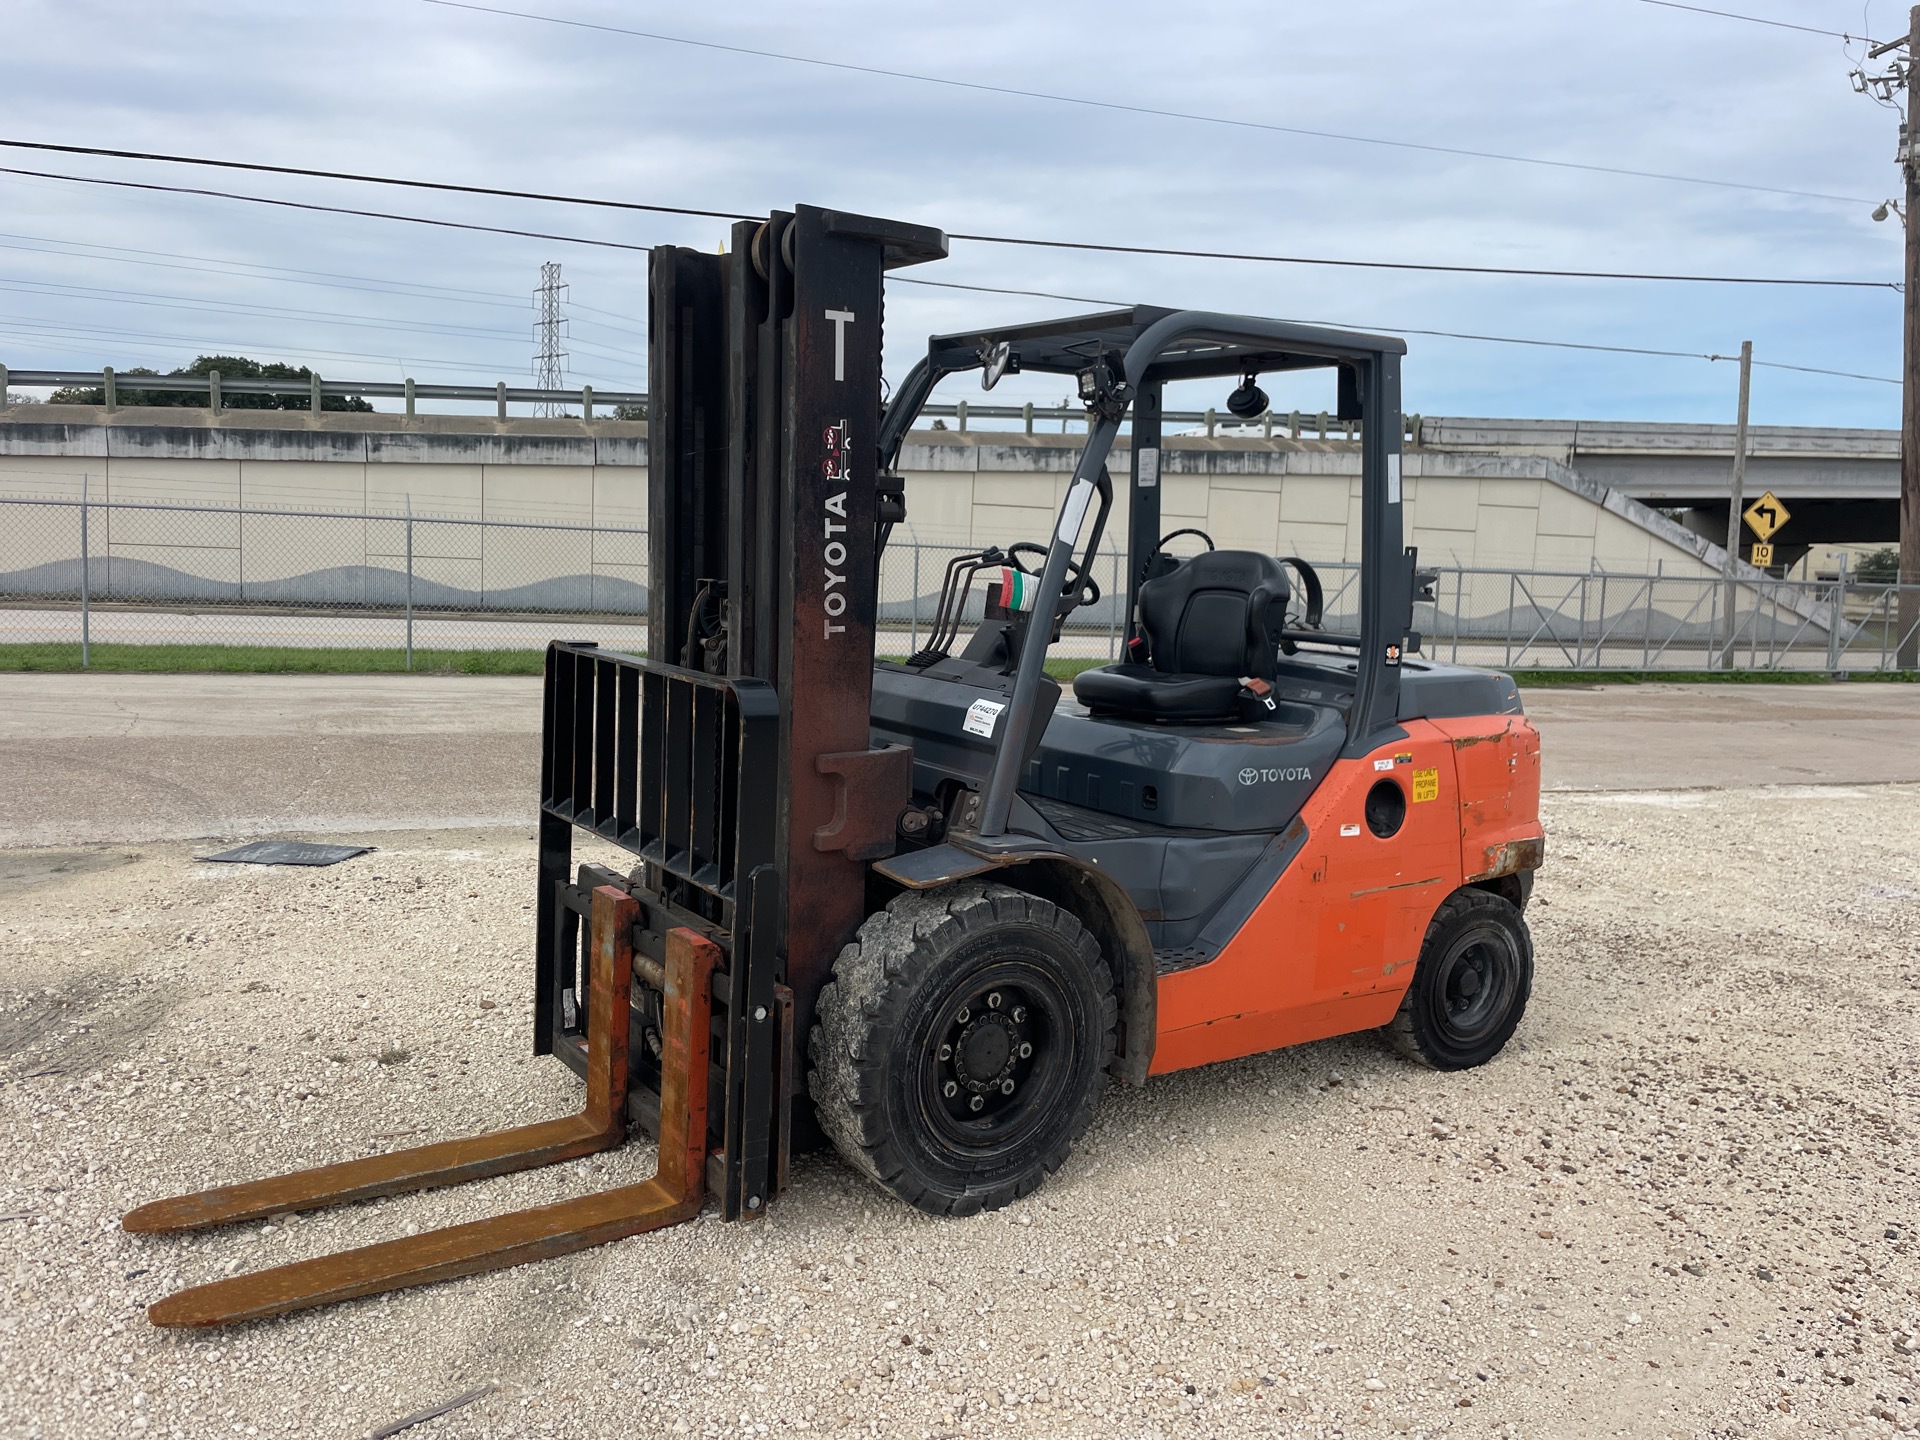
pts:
pixel 92 572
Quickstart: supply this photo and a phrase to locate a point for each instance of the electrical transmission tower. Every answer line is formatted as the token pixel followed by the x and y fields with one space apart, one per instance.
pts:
pixel 549 328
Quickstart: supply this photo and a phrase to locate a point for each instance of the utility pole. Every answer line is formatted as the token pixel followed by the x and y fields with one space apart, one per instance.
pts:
pixel 1881 88
pixel 1737 502
pixel 549 325
pixel 1908 655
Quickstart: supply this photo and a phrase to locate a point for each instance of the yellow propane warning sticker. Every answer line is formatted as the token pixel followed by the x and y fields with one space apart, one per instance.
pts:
pixel 1426 785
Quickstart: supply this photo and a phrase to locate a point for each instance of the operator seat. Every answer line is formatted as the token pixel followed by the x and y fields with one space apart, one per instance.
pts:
pixel 1210 623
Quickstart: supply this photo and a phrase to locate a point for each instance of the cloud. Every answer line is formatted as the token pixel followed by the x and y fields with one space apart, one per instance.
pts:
pixel 407 88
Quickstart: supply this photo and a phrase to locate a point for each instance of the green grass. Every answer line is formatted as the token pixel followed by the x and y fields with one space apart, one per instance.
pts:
pixel 1551 679
pixel 270 660
pixel 322 660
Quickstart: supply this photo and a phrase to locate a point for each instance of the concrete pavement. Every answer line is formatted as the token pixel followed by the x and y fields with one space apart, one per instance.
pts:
pixel 91 758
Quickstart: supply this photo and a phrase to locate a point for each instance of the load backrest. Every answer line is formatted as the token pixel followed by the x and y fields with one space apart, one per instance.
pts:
pixel 1219 613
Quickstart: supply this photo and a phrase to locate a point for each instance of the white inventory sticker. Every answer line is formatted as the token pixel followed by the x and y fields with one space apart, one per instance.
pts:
pixel 1386 764
pixel 1074 512
pixel 1149 467
pixel 981 717
pixel 1393 478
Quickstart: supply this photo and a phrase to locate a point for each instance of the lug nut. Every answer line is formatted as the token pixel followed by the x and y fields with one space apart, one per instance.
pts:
pixel 964 1016
pixel 1006 1087
pixel 977 1102
pixel 1026 1051
pixel 1019 1014
pixel 949 1089
pixel 993 1001
pixel 946 1052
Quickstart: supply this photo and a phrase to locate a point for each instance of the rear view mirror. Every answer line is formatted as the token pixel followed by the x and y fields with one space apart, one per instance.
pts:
pixel 996 360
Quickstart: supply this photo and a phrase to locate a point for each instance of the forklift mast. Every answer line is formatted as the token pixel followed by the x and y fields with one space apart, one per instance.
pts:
pixel 765 512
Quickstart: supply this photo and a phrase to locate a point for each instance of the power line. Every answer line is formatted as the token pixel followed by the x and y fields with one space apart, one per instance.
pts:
pixel 1173 252
pixel 1758 20
pixel 367 179
pixel 1812 370
pixel 1267 126
pixel 55 289
pixel 375 285
pixel 44 330
pixel 197 305
pixel 1428 267
pixel 939 284
pixel 282 275
pixel 323 209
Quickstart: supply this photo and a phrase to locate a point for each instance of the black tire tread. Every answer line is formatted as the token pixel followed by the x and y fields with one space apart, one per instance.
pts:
pixel 1400 1031
pixel 848 1077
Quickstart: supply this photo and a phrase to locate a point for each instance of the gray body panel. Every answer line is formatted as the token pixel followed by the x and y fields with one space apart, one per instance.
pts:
pixel 1236 778
pixel 1195 822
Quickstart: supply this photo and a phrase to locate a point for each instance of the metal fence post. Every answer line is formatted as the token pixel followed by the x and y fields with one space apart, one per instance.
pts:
pixel 1580 641
pixel 313 392
pixel 1459 609
pixel 1713 628
pixel 108 393
pixel 913 610
pixel 213 391
pixel 409 580
pixel 586 402
pixel 1513 583
pixel 500 399
pixel 1027 415
pixel 1837 618
pixel 86 588
pixel 409 397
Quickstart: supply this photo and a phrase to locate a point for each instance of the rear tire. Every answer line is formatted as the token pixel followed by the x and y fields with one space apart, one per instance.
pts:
pixel 960 1047
pixel 1471 985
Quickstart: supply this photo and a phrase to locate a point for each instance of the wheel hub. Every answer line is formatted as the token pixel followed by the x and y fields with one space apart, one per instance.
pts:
pixel 984 1053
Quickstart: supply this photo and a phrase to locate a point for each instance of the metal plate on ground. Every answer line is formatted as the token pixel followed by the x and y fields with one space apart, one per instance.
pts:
pixel 286 852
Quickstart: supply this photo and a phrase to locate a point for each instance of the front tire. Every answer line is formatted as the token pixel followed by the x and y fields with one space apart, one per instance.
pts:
pixel 1471 985
pixel 959 1049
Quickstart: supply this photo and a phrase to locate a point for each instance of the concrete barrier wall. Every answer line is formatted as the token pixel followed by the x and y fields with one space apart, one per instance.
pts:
pixel 964 489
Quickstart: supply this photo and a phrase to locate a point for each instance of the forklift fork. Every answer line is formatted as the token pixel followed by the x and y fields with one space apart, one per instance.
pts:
pixel 674 1194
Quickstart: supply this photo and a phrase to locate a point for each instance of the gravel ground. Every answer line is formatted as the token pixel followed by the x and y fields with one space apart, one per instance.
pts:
pixel 1683 1202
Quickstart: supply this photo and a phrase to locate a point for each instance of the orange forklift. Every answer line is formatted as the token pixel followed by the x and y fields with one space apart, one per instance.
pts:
pixel 926 910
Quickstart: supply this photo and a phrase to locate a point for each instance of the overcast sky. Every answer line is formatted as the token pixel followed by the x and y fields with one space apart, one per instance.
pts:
pixel 92 276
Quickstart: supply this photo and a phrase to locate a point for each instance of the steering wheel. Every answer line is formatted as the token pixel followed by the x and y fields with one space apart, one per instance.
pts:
pixel 1084 589
pixel 1314 594
pixel 1189 530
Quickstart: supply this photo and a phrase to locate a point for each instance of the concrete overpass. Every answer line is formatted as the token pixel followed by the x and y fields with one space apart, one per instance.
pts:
pixel 1842 486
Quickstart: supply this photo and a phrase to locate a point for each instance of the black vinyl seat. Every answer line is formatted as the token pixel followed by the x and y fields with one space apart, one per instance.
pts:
pixel 1210 623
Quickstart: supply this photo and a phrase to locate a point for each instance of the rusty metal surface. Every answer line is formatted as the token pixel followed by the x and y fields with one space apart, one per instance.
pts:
pixel 785 1045
pixel 600 1126
pixel 674 1194
pixel 1511 857
pixel 874 786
